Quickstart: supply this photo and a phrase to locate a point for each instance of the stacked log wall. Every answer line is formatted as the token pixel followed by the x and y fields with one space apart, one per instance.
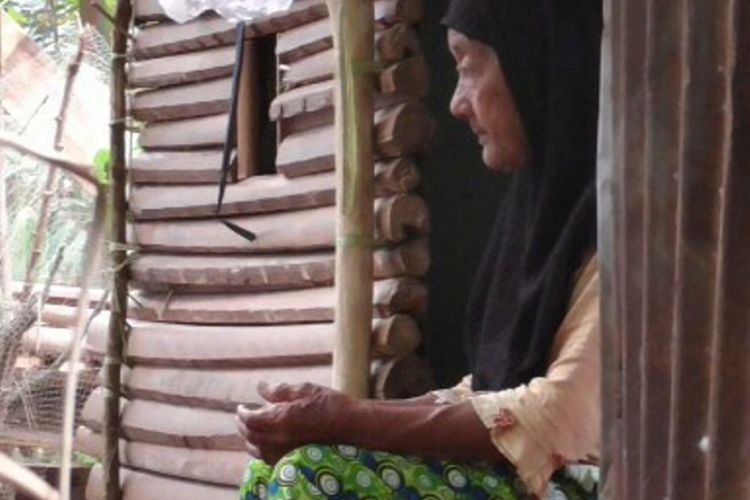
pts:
pixel 212 312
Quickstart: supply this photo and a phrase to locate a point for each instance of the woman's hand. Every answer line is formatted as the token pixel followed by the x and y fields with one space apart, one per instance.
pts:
pixel 297 415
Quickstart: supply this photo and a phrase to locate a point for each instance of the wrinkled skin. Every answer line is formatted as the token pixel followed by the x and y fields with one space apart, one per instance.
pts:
pixel 297 415
pixel 483 100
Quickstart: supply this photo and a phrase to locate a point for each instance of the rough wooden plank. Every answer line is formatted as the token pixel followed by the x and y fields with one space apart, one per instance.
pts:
pixel 214 389
pixel 210 466
pixel 183 101
pixel 208 31
pixel 227 273
pixel 178 167
pixel 397 218
pixel 401 130
pixel 316 305
pixel 182 68
pixel 225 347
pixel 139 485
pixel 312 86
pixel 168 425
pixel 192 133
pixel 45 341
pixel 391 44
pixel 262 194
pixel 408 77
pixel 167 38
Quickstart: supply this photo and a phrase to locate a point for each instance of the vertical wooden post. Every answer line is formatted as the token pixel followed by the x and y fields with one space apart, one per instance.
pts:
pixel 353 35
pixel 248 115
pixel 118 256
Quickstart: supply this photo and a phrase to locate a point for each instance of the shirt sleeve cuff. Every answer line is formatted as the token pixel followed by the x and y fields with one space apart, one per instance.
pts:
pixel 533 462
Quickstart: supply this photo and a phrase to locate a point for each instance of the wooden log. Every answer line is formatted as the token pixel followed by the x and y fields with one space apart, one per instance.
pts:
pixel 139 485
pixel 168 425
pixel 209 31
pixel 315 305
pixel 179 167
pixel 262 194
pixel 303 41
pixel 46 342
pixel 192 133
pixel 61 316
pixel 302 12
pixel 397 218
pixel 400 130
pixel 232 347
pixel 312 87
pixel 182 68
pixel 403 378
pixel 183 101
pixel 211 466
pixel 408 77
pixel 211 273
pixel 62 294
pixel 391 44
pixel 172 38
pixel 214 389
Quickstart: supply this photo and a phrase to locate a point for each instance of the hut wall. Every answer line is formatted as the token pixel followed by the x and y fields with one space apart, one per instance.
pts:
pixel 674 239
pixel 213 312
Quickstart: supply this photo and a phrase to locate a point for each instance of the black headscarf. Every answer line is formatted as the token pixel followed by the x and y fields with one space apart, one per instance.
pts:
pixel 549 51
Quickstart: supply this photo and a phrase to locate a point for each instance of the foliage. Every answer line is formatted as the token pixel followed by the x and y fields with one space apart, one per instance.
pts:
pixel 52 24
pixel 103 165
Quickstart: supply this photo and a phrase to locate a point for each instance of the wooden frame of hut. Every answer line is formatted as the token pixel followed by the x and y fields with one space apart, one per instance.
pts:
pixel 227 293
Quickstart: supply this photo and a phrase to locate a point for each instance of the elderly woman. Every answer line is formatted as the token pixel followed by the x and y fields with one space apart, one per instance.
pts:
pixel 528 87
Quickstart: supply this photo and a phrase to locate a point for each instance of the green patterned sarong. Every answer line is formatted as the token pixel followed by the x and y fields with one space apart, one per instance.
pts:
pixel 348 473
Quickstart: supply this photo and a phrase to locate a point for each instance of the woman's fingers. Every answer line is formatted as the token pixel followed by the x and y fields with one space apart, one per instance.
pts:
pixel 260 419
pixel 281 393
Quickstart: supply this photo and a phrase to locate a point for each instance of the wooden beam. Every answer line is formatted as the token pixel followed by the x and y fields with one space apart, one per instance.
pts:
pixel 316 305
pixel 212 466
pixel 409 76
pixel 225 347
pixel 210 31
pixel 194 133
pixel 222 389
pixel 144 486
pixel 397 219
pixel 312 88
pixel 391 44
pixel 401 130
pixel 226 273
pixel 262 194
pixel 182 101
pixel 179 167
pixel 182 68
pixel 168 425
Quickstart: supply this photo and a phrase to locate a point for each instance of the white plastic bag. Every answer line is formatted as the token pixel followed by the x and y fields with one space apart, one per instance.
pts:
pixel 235 10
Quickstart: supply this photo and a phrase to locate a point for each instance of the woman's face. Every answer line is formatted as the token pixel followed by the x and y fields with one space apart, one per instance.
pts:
pixel 483 99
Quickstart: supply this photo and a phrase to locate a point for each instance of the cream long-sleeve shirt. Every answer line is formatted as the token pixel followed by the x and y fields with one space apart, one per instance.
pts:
pixel 553 420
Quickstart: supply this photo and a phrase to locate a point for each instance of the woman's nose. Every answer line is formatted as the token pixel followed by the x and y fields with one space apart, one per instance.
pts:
pixel 460 106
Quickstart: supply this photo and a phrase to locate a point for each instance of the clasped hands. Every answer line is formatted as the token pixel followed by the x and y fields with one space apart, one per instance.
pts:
pixel 294 416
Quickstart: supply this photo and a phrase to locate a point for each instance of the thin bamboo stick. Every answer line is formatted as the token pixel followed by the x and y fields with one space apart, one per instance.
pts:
pixel 118 256
pixel 354 35
pixel 6 274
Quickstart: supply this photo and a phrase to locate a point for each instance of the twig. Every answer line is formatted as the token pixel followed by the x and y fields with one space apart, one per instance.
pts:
pixel 52 176
pixel 23 479
pixel 80 170
pixel 73 68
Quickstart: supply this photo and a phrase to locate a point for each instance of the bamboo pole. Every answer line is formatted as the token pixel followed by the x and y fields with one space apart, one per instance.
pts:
pixel 353 35
pixel 118 256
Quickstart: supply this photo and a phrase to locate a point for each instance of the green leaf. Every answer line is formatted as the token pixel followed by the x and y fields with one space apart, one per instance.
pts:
pixel 18 17
pixel 103 165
